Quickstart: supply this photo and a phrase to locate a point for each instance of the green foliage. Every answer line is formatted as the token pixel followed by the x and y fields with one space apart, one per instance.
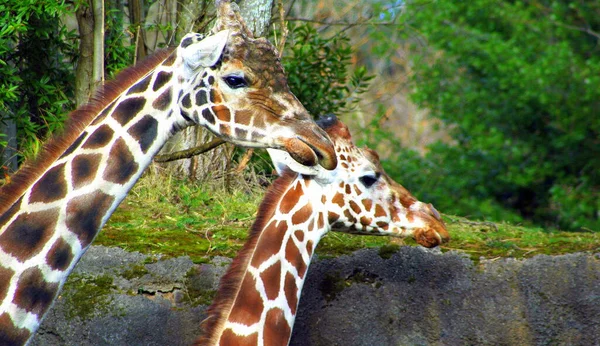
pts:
pixel 518 85
pixel 317 70
pixel 118 50
pixel 35 65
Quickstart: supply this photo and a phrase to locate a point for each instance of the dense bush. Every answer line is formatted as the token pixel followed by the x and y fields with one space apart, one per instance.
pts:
pixel 36 69
pixel 517 84
pixel 318 70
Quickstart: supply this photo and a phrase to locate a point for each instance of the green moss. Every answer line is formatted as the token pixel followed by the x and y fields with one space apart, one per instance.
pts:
pixel 386 251
pixel 197 295
pixel 86 296
pixel 136 271
pixel 334 283
pixel 171 218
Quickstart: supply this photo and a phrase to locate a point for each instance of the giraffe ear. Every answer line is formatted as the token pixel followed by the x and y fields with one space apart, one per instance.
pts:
pixel 206 52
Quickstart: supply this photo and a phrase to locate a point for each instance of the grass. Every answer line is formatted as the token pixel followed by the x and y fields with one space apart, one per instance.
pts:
pixel 174 218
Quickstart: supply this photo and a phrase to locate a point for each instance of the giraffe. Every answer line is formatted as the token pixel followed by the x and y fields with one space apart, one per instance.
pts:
pixel 258 297
pixel 229 82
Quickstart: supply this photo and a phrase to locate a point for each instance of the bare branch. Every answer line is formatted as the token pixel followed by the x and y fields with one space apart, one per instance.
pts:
pixel 186 154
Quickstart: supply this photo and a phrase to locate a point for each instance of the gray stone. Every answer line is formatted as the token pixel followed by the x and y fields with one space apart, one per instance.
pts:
pixel 416 297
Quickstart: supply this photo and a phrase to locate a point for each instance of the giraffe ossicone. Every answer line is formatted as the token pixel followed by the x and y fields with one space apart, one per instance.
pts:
pixel 53 208
pixel 258 297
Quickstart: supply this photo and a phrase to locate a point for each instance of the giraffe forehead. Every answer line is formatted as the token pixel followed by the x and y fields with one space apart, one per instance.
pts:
pixel 258 58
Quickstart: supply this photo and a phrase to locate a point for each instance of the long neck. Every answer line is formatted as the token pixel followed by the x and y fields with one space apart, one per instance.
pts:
pixel 81 181
pixel 257 300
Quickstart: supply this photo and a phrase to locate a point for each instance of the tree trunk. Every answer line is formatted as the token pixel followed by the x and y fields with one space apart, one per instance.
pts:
pixel 136 17
pixel 83 72
pixel 218 161
pixel 257 14
pixel 98 56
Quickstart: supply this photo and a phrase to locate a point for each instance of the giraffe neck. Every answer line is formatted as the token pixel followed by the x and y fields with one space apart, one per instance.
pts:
pixel 77 185
pixel 258 297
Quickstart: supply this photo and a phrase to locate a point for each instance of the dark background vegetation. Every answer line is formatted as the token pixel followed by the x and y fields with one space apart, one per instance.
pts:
pixel 514 85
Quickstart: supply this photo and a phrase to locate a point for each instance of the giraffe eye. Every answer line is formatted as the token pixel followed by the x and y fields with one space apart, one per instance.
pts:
pixel 236 82
pixel 369 180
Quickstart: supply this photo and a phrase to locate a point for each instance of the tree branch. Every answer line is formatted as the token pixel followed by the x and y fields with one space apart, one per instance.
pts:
pixel 186 154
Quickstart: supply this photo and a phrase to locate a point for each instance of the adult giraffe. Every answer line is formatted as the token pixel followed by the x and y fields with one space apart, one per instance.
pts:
pixel 258 296
pixel 52 209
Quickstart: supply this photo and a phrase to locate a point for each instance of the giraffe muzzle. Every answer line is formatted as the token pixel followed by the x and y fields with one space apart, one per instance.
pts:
pixel 434 233
pixel 309 154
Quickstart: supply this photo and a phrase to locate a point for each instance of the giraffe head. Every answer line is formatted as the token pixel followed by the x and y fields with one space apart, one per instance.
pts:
pixel 235 85
pixel 361 198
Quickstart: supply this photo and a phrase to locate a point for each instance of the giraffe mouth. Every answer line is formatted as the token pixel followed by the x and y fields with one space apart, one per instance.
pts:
pixel 310 155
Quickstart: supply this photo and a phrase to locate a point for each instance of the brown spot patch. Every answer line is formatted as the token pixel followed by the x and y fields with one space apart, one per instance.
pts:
pixel 222 112
pixel 51 186
pixel 60 255
pixel 5 275
pixel 145 132
pixel 291 292
pixel 365 220
pixel 332 217
pixel 140 86
pixel 229 338
pixel 28 233
pixel 208 116
pixel 302 215
pixel 163 101
pixel 270 242
pixel 121 166
pixel 225 130
pixel 338 199
pixel 201 98
pixel 162 78
pixel 367 203
pixel 320 221
pixel 276 331
pixel 383 225
pixel 84 168
pixel 290 199
pixel 379 211
pixel 348 189
pixel 33 293
pixel 355 207
pixel 248 305
pixel 292 255
pixel 11 335
pixel 128 109
pixel 271 278
pixel 99 138
pixel 299 235
pixel 215 97
pixel 85 213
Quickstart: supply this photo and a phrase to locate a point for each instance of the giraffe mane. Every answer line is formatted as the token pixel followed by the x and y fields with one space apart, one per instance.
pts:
pixel 78 119
pixel 229 285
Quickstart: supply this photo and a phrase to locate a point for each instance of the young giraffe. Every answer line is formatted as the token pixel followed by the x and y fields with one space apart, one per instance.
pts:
pixel 51 211
pixel 258 297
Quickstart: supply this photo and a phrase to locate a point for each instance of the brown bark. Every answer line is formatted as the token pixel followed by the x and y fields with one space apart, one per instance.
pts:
pixel 136 15
pixel 83 72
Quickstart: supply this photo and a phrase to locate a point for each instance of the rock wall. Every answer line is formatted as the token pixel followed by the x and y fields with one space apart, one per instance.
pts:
pixel 414 297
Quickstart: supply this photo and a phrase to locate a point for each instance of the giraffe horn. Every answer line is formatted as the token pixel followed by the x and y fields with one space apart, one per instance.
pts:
pixel 228 17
